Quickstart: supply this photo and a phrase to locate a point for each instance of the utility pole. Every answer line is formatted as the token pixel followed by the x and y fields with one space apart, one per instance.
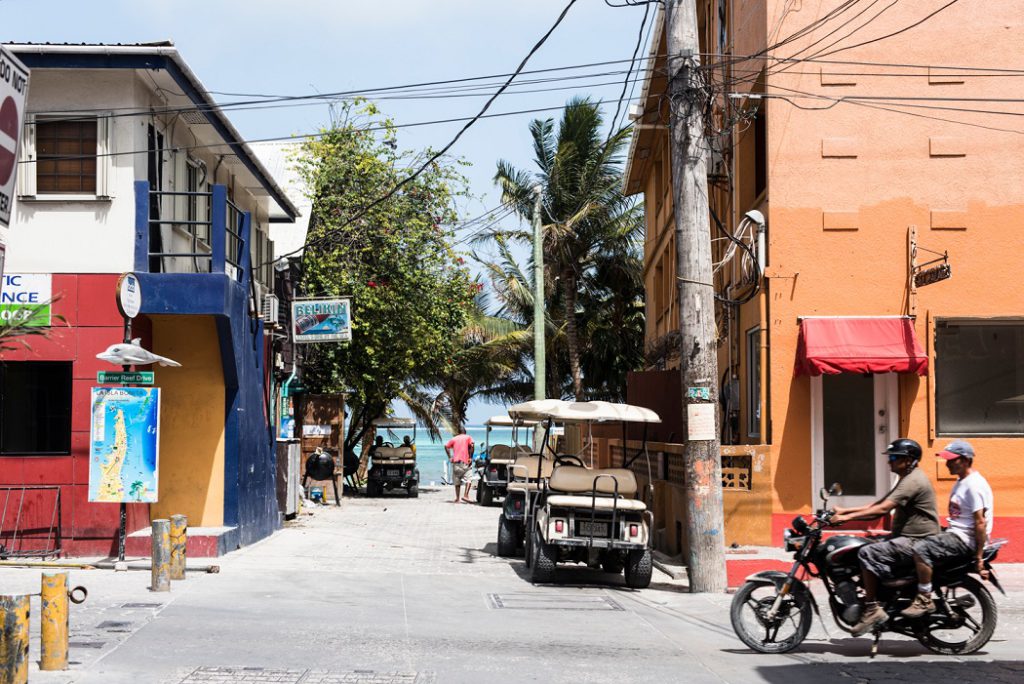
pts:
pixel 698 358
pixel 539 357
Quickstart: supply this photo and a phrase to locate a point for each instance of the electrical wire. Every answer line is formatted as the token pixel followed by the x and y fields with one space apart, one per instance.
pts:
pixel 629 72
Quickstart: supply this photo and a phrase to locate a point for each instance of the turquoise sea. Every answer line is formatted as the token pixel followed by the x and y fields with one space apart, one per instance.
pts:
pixel 430 456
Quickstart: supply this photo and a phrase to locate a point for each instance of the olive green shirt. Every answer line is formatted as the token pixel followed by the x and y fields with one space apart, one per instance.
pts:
pixel 915 514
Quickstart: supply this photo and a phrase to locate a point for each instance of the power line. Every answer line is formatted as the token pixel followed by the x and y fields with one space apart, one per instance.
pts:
pixel 629 72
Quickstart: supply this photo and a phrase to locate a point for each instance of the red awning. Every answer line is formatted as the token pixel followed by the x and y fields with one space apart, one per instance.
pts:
pixel 859 345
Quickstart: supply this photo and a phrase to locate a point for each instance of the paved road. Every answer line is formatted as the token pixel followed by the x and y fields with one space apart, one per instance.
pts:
pixel 400 590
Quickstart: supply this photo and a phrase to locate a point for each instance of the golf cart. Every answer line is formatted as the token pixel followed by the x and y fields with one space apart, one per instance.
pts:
pixel 589 516
pixel 393 467
pixel 493 467
pixel 526 474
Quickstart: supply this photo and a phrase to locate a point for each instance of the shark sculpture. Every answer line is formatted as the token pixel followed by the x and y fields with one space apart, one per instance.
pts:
pixel 124 354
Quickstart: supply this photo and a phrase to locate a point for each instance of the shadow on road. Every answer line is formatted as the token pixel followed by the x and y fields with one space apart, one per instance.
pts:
pixel 891 670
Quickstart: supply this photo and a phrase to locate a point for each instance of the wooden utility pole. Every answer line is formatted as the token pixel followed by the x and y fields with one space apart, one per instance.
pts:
pixel 698 353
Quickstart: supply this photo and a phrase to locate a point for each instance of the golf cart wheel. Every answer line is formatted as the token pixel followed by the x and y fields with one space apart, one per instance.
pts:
pixel 373 488
pixel 479 492
pixel 613 563
pixel 414 490
pixel 506 536
pixel 527 540
pixel 485 494
pixel 543 567
pixel 639 569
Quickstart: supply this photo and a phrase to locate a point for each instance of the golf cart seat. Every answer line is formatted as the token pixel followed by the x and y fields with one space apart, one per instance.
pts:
pixel 503 453
pixel 394 455
pixel 579 485
pixel 525 469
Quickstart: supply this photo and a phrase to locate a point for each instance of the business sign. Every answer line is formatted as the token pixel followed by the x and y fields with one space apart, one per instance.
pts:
pixel 13 92
pixel 124 439
pixel 25 298
pixel 321 320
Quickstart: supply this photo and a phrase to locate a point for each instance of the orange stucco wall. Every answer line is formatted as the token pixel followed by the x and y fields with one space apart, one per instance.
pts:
pixel 845 182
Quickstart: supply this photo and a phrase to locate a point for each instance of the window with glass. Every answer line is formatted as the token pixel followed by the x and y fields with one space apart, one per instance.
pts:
pixel 66 156
pixel 35 407
pixel 979 377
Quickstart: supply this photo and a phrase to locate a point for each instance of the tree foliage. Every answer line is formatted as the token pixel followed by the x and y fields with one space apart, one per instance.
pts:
pixel 410 292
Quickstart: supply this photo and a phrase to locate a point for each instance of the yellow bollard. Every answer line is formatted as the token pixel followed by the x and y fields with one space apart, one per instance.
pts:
pixel 179 539
pixel 54 630
pixel 14 639
pixel 161 574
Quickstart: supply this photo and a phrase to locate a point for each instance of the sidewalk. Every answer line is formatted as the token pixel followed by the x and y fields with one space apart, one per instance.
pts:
pixel 409 590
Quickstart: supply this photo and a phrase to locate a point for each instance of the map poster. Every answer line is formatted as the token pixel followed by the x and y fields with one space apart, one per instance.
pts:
pixel 123 444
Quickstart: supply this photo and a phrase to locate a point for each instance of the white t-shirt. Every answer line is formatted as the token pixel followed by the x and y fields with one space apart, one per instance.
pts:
pixel 969 495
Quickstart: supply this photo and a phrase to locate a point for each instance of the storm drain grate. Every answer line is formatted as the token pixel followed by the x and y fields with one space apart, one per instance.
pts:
pixel 142 605
pixel 87 644
pixel 112 626
pixel 536 601
pixel 258 675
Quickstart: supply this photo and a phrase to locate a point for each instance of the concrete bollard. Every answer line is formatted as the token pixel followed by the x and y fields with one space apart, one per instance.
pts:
pixel 53 640
pixel 14 610
pixel 161 557
pixel 179 539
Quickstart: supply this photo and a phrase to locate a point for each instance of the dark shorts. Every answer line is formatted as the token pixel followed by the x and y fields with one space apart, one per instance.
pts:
pixel 942 547
pixel 887 559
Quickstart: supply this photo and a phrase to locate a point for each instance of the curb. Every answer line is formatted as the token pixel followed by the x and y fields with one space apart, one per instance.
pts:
pixel 670 566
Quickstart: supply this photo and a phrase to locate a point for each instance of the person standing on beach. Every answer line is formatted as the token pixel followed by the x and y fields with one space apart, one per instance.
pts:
pixel 460 452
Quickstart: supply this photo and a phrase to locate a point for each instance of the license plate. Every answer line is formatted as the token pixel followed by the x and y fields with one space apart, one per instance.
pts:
pixel 597 529
pixel 393 472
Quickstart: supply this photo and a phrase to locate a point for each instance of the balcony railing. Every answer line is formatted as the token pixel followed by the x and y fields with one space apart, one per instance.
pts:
pixel 208 233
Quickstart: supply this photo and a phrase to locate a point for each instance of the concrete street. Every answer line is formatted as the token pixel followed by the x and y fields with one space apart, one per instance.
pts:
pixel 409 590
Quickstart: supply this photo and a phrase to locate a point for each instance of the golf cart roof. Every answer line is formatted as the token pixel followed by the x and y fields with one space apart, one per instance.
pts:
pixel 394 422
pixel 584 411
pixel 509 421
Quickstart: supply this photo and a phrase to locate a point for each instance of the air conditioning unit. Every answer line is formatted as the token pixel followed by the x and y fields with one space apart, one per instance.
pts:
pixel 271 310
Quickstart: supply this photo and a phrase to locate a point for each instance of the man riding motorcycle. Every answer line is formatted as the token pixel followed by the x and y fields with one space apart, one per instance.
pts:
pixel 915 517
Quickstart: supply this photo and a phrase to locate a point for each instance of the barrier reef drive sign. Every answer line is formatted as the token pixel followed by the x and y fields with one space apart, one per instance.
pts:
pixel 13 92
pixel 124 444
pixel 321 320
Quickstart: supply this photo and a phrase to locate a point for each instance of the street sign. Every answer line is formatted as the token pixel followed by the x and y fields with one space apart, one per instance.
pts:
pixel 129 295
pixel 125 377
pixel 13 92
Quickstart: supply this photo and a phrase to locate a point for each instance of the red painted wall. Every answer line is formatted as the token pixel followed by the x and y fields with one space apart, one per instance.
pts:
pixel 90 324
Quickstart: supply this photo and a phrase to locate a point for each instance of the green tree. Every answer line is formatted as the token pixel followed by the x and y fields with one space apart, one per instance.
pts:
pixel 592 240
pixel 410 292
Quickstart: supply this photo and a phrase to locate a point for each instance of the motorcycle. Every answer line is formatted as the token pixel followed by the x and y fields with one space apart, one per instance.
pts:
pixel 772 611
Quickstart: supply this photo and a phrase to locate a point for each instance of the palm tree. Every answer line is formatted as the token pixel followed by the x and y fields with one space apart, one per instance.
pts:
pixel 585 217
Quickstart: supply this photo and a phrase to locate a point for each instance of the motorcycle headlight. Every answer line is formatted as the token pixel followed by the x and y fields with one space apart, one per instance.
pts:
pixel 800 525
pixel 792 541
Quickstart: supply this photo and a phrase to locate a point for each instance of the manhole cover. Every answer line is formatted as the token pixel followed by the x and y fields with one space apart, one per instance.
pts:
pixel 112 626
pixel 87 644
pixel 142 605
pixel 536 601
pixel 255 675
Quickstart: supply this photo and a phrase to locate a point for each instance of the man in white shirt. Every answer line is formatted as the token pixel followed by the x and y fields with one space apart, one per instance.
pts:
pixel 970 525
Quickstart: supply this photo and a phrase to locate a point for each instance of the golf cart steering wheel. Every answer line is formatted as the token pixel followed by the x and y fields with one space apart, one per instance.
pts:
pixel 569 460
pixel 389 445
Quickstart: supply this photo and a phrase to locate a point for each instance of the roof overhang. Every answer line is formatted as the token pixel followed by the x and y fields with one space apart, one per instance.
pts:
pixel 648 126
pixel 166 58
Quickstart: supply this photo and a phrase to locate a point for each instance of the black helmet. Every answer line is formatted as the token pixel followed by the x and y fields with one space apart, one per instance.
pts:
pixel 904 447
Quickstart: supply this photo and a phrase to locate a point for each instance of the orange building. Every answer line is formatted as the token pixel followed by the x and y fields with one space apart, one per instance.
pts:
pixel 850 154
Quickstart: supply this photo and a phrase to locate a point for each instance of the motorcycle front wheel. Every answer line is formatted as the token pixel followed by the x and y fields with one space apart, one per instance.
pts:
pixel 780 634
pixel 963 621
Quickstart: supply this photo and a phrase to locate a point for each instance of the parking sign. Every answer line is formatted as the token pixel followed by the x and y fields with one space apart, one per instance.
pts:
pixel 13 93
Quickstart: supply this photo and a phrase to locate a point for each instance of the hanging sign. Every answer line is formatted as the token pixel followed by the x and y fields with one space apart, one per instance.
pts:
pixel 25 298
pixel 321 320
pixel 13 92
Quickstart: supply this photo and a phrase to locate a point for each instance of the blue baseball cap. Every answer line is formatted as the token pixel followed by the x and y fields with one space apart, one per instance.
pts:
pixel 957 449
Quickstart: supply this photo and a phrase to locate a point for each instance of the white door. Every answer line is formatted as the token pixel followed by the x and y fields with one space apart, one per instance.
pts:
pixel 853 418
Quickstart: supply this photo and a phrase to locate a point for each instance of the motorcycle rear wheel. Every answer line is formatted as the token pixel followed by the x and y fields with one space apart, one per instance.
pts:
pixel 747 614
pixel 975 612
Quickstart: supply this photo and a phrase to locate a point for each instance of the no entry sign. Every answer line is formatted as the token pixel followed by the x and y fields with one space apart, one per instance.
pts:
pixel 13 92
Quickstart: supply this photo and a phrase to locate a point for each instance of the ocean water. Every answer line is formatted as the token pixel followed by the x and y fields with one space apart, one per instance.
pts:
pixel 430 456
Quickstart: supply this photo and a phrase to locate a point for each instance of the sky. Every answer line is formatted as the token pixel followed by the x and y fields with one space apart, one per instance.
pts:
pixel 300 47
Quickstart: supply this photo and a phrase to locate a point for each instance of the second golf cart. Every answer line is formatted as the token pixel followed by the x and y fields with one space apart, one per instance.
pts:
pixel 493 467
pixel 393 467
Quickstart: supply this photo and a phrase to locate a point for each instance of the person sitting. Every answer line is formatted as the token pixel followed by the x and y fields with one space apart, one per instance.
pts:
pixel 407 442
pixel 970 526
pixel 915 517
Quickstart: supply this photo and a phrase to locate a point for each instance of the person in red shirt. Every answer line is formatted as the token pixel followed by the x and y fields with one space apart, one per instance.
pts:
pixel 460 452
